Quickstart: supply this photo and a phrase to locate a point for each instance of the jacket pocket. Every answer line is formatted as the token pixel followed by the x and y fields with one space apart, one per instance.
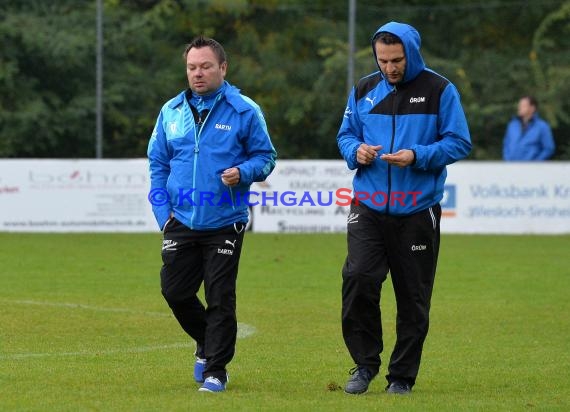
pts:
pixel 432 217
pixel 167 224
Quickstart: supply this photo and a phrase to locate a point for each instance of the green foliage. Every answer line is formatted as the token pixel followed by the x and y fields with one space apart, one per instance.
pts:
pixel 290 56
pixel 550 61
pixel 46 104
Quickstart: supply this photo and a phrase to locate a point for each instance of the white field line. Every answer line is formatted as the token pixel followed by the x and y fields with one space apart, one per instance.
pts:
pixel 140 349
pixel 86 307
pixel 244 331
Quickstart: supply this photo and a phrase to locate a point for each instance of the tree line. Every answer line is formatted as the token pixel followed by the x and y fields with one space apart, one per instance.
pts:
pixel 290 56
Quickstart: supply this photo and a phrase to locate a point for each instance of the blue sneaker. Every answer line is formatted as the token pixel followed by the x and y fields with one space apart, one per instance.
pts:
pixel 212 384
pixel 199 367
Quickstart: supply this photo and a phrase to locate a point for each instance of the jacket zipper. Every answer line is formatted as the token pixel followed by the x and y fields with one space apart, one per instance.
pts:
pixel 232 197
pixel 394 91
pixel 201 124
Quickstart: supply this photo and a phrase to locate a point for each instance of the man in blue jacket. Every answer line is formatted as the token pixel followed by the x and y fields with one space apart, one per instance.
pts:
pixel 209 144
pixel 401 127
pixel 528 136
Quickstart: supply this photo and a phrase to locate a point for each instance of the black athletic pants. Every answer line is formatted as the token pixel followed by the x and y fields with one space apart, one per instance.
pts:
pixel 407 247
pixel 189 258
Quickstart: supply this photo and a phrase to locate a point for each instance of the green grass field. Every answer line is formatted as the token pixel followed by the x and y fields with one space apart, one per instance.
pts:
pixel 83 327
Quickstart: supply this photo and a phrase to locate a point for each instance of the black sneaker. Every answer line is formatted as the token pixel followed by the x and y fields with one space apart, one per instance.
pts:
pixel 399 388
pixel 359 381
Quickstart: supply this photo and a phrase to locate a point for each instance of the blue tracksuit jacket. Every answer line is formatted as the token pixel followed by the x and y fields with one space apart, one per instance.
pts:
pixel 534 142
pixel 422 113
pixel 186 162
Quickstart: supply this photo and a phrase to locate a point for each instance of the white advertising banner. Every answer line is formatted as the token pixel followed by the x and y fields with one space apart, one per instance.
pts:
pixel 498 197
pixel 300 196
pixel 480 197
pixel 75 196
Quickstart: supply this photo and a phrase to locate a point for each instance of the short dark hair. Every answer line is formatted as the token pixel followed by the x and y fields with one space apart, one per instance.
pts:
pixel 532 100
pixel 202 41
pixel 386 38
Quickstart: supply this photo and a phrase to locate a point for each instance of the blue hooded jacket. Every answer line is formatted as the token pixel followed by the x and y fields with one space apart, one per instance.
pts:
pixel 186 161
pixel 533 142
pixel 422 113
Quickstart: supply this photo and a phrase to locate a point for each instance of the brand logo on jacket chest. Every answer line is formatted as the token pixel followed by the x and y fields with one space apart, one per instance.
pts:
pixel 417 99
pixel 225 127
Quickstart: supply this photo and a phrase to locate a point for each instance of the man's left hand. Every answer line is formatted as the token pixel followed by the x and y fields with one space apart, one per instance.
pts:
pixel 401 158
pixel 230 177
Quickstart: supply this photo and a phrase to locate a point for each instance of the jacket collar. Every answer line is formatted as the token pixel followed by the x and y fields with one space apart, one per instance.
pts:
pixel 230 93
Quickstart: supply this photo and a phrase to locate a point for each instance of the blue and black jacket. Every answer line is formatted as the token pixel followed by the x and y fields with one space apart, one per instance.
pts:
pixel 422 113
pixel 187 159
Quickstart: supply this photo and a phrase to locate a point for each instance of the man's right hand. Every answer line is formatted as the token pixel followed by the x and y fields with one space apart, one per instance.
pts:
pixel 366 154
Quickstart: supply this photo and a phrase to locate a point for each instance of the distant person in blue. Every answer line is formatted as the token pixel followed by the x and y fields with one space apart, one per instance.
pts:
pixel 528 136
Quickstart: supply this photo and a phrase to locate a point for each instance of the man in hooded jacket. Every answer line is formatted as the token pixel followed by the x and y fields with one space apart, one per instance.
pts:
pixel 402 125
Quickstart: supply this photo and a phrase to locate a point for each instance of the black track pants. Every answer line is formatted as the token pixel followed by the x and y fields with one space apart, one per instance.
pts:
pixel 189 258
pixel 407 247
